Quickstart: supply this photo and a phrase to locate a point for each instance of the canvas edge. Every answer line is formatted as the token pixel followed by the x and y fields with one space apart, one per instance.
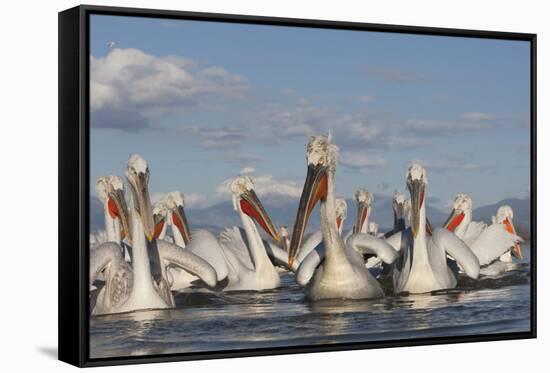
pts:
pixel 69 202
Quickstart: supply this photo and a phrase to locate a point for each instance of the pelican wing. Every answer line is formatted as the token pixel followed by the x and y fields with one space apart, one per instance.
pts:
pixel 307 267
pixel 107 254
pixel 117 273
pixel 184 259
pixel 233 241
pixel 368 244
pixel 277 255
pixel 457 249
pixel 492 243
pixel 347 235
pixel 309 244
pixel 400 240
pixel 205 245
pixel 473 231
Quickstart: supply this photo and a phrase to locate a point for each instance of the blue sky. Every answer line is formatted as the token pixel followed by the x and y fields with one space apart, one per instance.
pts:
pixel 205 101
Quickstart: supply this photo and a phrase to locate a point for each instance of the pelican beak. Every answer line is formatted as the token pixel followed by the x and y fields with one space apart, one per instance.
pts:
pixel 399 210
pixel 251 206
pixel 159 222
pixel 338 222
pixel 399 213
pixel 142 204
pixel 362 215
pixel 285 243
pixel 180 221
pixel 454 220
pixel 118 209
pixel 417 189
pixel 315 189
pixel 516 249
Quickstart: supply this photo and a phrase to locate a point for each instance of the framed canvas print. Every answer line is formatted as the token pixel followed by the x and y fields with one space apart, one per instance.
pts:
pixel 237 186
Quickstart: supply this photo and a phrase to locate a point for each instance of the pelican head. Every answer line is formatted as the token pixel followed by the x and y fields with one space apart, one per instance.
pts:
pixel 160 212
pixel 505 216
pixel 417 179
pixel 137 173
pixel 341 211
pixel 372 228
pixel 285 241
pixel 175 203
pixel 110 190
pixel 398 204
pixel 321 162
pixel 246 201
pixel 461 206
pixel 364 202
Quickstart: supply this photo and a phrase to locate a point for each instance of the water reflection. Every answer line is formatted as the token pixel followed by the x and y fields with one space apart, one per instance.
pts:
pixel 207 321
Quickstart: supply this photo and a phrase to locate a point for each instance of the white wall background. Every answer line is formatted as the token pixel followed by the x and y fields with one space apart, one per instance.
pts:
pixel 28 169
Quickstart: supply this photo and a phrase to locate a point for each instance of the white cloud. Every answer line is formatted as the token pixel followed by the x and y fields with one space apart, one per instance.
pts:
pixel 247 170
pixel 132 79
pixel 224 137
pixel 456 164
pixel 194 199
pixel 394 75
pixel 475 116
pixel 360 160
pixel 443 128
pixel 366 99
pixel 266 185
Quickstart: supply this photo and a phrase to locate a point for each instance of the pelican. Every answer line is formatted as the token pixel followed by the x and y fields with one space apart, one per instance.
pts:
pixel 505 216
pixel 160 217
pixel 178 279
pixel 312 252
pixel 372 229
pixel 201 242
pixel 110 190
pixel 342 274
pixel 140 285
pixel 487 242
pixel 249 267
pixel 422 266
pixel 364 203
pixel 313 249
pixel 399 205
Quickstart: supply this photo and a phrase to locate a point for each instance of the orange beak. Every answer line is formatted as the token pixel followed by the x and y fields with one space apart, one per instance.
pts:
pixel 516 250
pixel 315 189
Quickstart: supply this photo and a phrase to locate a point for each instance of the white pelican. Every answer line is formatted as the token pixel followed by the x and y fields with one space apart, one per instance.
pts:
pixel 245 252
pixel 342 274
pixel 110 190
pixel 201 242
pixel 399 205
pixel 312 249
pixel 505 216
pixel 312 252
pixel 372 229
pixel 487 242
pixel 141 284
pixel 422 265
pixel 364 204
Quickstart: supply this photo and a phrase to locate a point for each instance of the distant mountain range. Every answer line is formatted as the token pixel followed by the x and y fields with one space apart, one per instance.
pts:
pixel 283 212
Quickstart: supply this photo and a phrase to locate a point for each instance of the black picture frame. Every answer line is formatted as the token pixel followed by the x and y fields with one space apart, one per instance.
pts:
pixel 74 181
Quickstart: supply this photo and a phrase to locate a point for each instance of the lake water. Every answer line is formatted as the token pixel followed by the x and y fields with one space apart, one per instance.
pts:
pixel 208 321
